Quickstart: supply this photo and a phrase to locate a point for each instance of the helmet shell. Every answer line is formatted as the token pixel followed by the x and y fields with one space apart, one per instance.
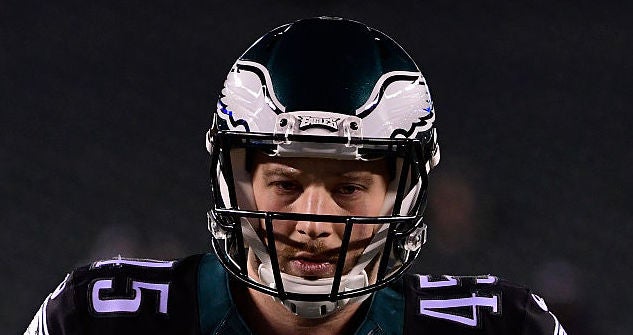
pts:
pixel 327 65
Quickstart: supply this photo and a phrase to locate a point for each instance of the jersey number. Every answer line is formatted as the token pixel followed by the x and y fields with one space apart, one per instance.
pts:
pixel 129 305
pixel 133 303
pixel 440 308
pixel 431 307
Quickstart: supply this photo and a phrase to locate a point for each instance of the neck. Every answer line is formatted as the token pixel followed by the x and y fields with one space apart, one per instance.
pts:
pixel 264 315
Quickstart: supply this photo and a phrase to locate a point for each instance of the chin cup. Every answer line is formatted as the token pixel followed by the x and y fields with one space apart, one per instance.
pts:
pixel 314 309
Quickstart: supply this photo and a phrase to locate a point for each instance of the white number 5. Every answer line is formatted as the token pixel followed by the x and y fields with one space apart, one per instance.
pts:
pixel 130 304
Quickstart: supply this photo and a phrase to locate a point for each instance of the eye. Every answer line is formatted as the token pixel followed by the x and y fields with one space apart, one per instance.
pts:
pixel 285 186
pixel 349 189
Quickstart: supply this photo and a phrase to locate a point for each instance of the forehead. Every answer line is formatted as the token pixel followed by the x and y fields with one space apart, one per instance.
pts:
pixel 323 167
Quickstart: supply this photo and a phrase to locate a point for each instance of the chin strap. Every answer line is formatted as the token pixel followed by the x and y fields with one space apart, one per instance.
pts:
pixel 314 309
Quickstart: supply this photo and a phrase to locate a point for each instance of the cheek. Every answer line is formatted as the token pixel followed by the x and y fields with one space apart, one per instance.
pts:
pixel 280 228
pixel 361 232
pixel 260 201
pixel 266 199
pixel 376 198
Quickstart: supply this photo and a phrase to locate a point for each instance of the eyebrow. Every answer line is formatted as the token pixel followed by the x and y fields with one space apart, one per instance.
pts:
pixel 363 177
pixel 360 177
pixel 281 171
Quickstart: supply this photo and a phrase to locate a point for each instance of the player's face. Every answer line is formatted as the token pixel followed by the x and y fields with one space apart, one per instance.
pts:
pixel 318 186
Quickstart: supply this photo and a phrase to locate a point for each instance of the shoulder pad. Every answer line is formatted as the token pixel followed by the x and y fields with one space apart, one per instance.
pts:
pixel 474 305
pixel 124 295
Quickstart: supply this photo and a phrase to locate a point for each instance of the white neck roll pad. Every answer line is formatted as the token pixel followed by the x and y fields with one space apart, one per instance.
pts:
pixel 314 309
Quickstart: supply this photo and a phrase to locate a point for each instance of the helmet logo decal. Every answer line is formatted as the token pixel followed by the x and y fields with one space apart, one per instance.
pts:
pixel 329 123
pixel 399 106
pixel 247 100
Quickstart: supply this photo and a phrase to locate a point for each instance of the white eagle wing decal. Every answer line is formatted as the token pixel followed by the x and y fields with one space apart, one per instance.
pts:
pixel 402 109
pixel 245 102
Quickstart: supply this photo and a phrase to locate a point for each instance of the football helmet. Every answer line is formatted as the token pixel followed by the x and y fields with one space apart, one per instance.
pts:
pixel 323 88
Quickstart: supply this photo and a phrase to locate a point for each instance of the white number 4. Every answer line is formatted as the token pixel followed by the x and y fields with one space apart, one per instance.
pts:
pixel 432 307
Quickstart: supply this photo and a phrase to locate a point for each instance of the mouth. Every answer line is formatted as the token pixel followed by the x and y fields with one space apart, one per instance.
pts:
pixel 311 267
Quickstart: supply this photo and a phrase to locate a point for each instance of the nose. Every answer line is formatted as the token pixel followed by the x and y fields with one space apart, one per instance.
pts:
pixel 315 200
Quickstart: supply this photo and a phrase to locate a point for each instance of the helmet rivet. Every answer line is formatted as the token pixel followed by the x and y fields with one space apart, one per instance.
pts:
pixel 353 125
pixel 283 122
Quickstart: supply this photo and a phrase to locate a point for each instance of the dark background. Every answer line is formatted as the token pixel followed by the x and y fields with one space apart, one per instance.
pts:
pixel 105 104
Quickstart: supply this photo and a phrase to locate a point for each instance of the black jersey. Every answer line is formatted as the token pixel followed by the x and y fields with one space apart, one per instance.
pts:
pixel 123 296
pixel 474 305
pixel 191 296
